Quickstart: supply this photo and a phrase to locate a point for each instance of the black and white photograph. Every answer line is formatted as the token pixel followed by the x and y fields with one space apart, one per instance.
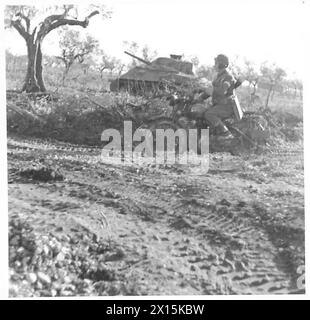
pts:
pixel 154 148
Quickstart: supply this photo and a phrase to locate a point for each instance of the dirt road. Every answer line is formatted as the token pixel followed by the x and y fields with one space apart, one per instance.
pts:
pixel 154 230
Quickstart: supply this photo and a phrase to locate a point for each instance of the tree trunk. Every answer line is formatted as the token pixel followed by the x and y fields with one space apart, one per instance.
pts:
pixel 65 74
pixel 34 78
pixel 39 69
pixel 254 88
pixel 295 91
pixel 268 96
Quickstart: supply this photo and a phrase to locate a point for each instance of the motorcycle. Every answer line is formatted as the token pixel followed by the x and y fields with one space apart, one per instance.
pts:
pixel 250 133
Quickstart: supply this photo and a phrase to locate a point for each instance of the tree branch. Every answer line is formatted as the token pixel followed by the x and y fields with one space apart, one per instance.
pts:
pixel 77 56
pixel 26 19
pixel 50 19
pixel 55 21
pixel 60 58
pixel 21 30
pixel 91 15
pixel 34 32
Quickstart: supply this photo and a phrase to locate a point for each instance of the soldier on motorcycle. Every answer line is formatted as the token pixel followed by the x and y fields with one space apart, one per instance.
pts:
pixel 223 98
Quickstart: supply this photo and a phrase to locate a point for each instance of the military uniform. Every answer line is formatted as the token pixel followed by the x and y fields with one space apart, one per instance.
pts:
pixel 222 100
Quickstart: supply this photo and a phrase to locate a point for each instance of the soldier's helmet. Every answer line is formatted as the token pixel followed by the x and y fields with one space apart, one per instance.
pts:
pixel 222 60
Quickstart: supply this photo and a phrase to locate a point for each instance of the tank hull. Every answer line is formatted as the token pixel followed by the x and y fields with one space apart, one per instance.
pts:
pixel 154 76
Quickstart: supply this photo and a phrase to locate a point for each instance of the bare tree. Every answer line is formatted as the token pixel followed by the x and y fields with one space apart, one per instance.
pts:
pixel 107 63
pixel 120 66
pixel 235 66
pixel 144 52
pixel 21 17
pixel 103 64
pixel 148 54
pixel 204 71
pixel 251 75
pixel 296 86
pixel 74 48
pixel 273 76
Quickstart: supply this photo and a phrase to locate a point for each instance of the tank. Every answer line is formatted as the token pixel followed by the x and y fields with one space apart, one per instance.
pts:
pixel 155 75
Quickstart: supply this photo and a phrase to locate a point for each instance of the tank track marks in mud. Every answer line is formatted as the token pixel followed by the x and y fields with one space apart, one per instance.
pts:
pixel 241 262
pixel 35 144
pixel 248 256
pixel 218 240
pixel 247 260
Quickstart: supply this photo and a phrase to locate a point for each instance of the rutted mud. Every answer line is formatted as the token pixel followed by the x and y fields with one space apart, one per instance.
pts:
pixel 154 230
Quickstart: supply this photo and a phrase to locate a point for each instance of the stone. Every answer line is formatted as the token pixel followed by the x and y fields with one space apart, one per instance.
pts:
pixel 53 293
pixel 44 278
pixel 193 268
pixel 20 250
pixel 32 277
pixel 46 250
pixel 60 256
pixel 225 202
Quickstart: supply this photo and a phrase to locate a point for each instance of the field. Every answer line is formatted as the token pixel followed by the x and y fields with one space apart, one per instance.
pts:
pixel 79 225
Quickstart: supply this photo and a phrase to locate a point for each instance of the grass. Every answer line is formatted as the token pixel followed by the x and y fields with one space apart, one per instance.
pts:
pixel 77 81
pixel 279 102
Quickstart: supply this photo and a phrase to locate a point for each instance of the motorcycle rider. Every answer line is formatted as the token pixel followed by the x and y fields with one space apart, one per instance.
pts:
pixel 222 97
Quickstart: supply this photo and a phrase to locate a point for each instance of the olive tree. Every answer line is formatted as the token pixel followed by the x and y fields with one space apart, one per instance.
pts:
pixel 74 48
pixel 273 76
pixel 251 75
pixel 22 19
pixel 107 62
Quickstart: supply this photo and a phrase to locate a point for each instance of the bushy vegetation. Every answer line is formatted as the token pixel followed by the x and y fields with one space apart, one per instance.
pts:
pixel 81 118
pixel 79 106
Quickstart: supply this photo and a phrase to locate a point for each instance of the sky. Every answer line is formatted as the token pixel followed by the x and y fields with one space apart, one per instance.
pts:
pixel 264 30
